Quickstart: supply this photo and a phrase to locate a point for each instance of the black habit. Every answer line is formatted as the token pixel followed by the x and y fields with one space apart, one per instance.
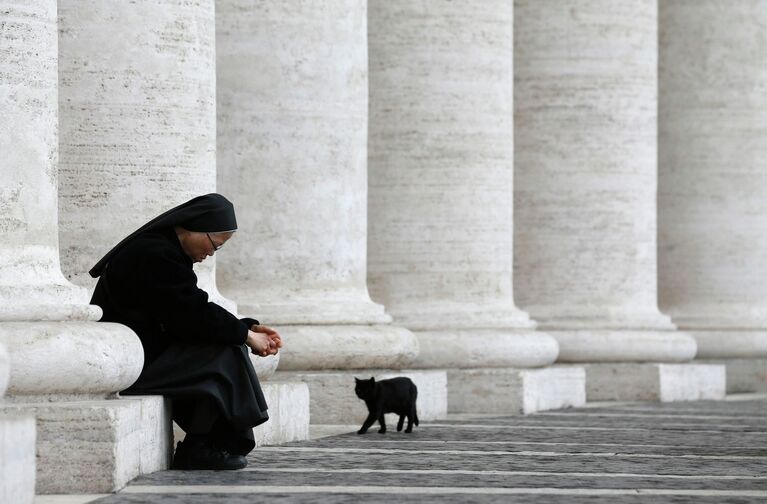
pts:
pixel 194 350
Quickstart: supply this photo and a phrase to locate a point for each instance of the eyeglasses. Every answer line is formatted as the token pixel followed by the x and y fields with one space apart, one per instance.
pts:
pixel 215 247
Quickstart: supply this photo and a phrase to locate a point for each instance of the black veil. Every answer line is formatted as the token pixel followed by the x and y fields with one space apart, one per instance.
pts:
pixel 211 213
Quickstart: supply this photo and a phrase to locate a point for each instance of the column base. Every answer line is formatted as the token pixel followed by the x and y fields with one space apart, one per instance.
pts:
pixel 743 375
pixel 70 357
pixel 17 458
pixel 333 401
pixel 485 348
pixel 654 382
pixel 625 345
pixel 288 414
pixel 515 391
pixel 318 347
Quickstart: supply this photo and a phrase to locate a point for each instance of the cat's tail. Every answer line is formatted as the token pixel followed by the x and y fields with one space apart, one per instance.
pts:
pixel 414 392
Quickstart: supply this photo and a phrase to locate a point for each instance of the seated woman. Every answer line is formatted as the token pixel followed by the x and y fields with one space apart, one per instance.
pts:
pixel 195 351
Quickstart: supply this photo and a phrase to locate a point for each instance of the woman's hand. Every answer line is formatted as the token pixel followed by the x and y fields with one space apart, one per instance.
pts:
pixel 260 344
pixel 263 340
pixel 270 333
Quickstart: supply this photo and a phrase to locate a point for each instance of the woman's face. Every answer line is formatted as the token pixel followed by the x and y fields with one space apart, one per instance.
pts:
pixel 199 246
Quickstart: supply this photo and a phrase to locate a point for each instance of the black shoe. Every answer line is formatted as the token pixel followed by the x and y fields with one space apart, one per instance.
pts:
pixel 203 456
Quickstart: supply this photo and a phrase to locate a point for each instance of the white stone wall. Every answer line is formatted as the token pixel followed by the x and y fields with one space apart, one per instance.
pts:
pixel 713 185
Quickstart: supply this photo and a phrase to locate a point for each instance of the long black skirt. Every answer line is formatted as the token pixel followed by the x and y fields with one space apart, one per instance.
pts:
pixel 218 378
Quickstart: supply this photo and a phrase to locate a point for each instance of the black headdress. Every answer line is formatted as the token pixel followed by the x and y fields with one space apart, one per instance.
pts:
pixel 211 213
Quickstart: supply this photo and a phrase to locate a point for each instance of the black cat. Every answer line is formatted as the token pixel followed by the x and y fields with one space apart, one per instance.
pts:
pixel 395 395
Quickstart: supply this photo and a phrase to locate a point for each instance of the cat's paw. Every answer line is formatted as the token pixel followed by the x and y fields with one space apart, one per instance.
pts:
pixel 382 431
pixel 408 431
pixel 362 431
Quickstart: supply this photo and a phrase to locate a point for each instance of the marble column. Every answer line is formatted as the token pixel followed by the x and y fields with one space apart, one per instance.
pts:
pixel 585 193
pixel 713 187
pixel 292 150
pixel 440 169
pixel 138 127
pixel 56 350
pixel 292 117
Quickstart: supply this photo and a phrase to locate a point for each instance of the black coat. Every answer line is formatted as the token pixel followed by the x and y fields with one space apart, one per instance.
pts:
pixel 193 348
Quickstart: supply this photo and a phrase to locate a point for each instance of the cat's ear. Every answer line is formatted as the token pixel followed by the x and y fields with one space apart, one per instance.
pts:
pixel 372 379
pixel 356 380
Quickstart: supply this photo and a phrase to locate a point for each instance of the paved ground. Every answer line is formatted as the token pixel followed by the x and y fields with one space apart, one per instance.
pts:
pixel 702 452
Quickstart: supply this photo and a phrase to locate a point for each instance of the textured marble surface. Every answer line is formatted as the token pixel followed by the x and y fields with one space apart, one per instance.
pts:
pixel 85 446
pixel 712 195
pixel 31 284
pixel 585 111
pixel 292 115
pixel 440 163
pixel 515 391
pixel 17 457
pixel 654 382
pixel 138 126
pixel 491 348
pixel 137 118
pixel 70 358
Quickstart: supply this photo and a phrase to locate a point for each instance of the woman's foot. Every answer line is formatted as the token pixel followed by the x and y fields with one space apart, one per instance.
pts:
pixel 203 455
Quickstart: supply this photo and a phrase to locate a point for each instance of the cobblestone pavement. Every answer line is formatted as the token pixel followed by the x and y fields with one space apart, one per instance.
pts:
pixel 701 452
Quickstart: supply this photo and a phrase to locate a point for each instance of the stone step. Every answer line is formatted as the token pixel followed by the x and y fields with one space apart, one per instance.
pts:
pixel 333 400
pixel 288 413
pixel 17 458
pixel 87 446
pixel 654 382
pixel 515 391
pixel 743 375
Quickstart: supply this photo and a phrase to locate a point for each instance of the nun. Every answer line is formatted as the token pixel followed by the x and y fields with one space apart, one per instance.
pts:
pixel 195 352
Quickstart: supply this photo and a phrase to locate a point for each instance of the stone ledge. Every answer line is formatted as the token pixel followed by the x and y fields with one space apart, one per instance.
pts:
pixel 17 458
pixel 654 382
pixel 332 398
pixel 85 446
pixel 156 450
pixel 515 391
pixel 288 414
pixel 743 375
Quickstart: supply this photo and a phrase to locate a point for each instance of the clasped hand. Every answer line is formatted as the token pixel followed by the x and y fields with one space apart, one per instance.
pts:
pixel 263 340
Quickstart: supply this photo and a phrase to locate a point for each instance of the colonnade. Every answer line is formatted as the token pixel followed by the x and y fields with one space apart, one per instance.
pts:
pixel 462 192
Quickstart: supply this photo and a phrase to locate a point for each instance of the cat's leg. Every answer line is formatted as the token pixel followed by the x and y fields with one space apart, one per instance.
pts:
pixel 411 416
pixel 370 420
pixel 401 421
pixel 381 420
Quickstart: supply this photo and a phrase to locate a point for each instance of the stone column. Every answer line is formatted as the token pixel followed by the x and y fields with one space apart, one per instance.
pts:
pixel 440 168
pixel 586 179
pixel 55 349
pixel 713 186
pixel 138 127
pixel 292 148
